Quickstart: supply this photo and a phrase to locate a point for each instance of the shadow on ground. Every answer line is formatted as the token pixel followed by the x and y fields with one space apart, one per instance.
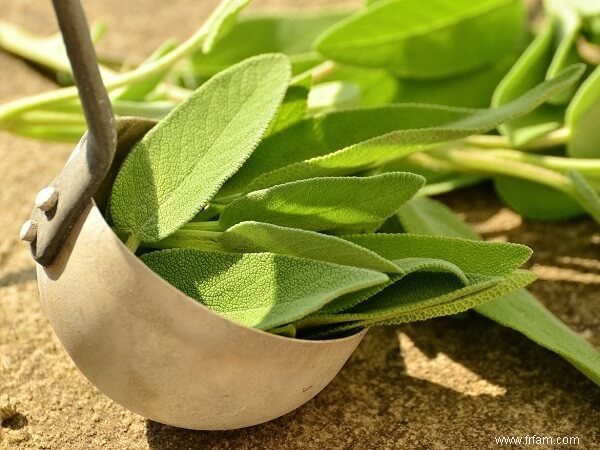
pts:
pixel 382 399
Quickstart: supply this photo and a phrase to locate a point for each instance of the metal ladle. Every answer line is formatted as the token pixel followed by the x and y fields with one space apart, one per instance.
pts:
pixel 138 339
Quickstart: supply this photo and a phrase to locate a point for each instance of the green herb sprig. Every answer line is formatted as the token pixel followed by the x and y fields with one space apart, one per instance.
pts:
pixel 283 257
pixel 286 184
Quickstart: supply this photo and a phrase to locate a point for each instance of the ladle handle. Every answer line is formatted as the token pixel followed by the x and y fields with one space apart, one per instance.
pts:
pixel 94 98
pixel 60 204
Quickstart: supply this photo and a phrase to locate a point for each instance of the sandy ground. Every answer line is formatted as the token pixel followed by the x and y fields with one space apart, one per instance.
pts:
pixel 440 384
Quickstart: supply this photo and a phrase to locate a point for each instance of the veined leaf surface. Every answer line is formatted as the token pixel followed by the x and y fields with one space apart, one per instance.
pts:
pixel 264 237
pixel 486 258
pixel 518 310
pixel 325 133
pixel 325 203
pixel 262 290
pixel 317 140
pixel 418 297
pixel 432 39
pixel 181 163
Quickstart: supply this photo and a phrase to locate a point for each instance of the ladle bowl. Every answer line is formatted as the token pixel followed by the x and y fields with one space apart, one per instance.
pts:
pixel 161 354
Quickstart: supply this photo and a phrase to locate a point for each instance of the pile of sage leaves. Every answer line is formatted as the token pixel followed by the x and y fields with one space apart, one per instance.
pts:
pixel 286 185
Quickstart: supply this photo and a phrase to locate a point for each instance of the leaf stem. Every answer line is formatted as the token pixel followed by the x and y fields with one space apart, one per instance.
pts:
pixel 482 162
pixel 48 118
pixel 460 181
pixel 46 51
pixel 188 237
pixel 71 114
pixel 133 242
pixel 14 108
pixel 589 166
pixel 150 110
pixel 209 226
pixel 552 139
pixel 318 73
pixel 425 160
pixel 68 134
pixel 572 184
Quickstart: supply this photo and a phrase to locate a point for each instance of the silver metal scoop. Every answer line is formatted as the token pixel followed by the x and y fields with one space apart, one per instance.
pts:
pixel 141 341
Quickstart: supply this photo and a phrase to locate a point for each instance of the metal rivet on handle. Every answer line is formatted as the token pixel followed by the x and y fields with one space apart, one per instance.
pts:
pixel 46 199
pixel 28 231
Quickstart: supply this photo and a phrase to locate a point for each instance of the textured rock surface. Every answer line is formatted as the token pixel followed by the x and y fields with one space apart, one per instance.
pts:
pixel 440 384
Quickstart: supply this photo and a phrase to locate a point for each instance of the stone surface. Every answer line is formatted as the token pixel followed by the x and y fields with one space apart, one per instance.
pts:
pixel 439 384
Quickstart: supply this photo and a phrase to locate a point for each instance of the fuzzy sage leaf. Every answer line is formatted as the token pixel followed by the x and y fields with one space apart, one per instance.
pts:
pixel 583 116
pixel 331 145
pixel 325 133
pixel 432 39
pixel 486 258
pixel 405 266
pixel 180 164
pixel 262 290
pixel 325 203
pixel 221 22
pixel 294 106
pixel 524 313
pixel 529 70
pixel 257 33
pixel 420 296
pixel 254 237
pixel 518 310
pixel 568 23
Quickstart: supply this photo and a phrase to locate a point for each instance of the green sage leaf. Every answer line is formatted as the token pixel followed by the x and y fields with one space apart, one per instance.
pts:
pixel 328 132
pixel 261 290
pixel 138 91
pixel 410 303
pixel 529 70
pixel 252 237
pixel 288 330
pixel 583 117
pixel 254 34
pixel 568 24
pixel 405 266
pixel 221 22
pixel 450 304
pixel 422 215
pixel 585 194
pixel 472 90
pixel 468 297
pixel 518 310
pixel 294 107
pixel 486 258
pixel 181 163
pixel 348 301
pixel 324 203
pixel 333 95
pixel 377 87
pixel 432 39
pixel 421 296
pixel 316 140
pixel 536 201
pixel 524 313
